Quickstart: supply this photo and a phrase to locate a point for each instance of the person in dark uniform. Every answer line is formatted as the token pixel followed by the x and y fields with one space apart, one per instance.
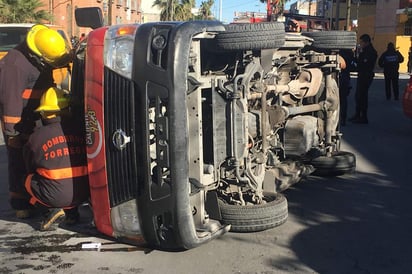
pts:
pixel 365 63
pixel 26 72
pixel 389 61
pixel 345 82
pixel 55 157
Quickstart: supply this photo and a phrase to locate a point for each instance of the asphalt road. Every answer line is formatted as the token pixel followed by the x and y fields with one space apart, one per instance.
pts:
pixel 357 223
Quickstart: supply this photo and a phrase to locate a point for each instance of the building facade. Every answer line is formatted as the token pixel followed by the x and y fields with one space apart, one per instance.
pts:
pixel 114 12
pixel 304 8
pixel 384 20
pixel 387 21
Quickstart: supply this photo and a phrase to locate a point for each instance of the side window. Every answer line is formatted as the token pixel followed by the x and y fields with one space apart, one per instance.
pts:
pixel 11 37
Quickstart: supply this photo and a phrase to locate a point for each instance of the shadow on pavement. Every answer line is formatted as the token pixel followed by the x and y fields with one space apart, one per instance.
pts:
pixel 362 222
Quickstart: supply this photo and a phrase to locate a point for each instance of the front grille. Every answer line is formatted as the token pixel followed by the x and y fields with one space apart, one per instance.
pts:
pixel 119 113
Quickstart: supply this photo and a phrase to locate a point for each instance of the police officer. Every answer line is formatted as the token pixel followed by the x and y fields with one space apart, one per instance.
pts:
pixel 25 72
pixel 55 156
pixel 365 63
pixel 389 61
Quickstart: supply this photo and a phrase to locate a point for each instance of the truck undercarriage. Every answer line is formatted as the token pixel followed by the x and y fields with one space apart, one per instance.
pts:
pixel 212 123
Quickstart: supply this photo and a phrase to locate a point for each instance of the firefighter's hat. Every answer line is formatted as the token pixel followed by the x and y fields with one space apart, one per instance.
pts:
pixel 53 100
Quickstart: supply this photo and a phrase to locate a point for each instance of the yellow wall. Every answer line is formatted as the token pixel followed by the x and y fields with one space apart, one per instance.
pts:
pixel 381 40
pixel 366 25
pixel 403 43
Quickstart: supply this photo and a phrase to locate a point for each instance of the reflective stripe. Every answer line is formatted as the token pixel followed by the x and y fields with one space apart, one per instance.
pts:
pixel 33 199
pixel 62 173
pixel 11 119
pixel 32 94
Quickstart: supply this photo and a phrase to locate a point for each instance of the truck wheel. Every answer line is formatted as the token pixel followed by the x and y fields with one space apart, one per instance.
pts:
pixel 338 164
pixel 333 39
pixel 269 35
pixel 251 218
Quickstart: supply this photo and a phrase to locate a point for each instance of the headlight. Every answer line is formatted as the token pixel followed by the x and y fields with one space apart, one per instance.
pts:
pixel 118 49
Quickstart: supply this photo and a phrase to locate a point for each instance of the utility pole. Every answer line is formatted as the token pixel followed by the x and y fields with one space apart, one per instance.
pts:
pixel 331 14
pixel 310 7
pixel 348 16
pixel 51 11
pixel 109 12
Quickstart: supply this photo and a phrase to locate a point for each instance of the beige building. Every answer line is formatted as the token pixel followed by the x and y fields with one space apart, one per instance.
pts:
pixel 149 13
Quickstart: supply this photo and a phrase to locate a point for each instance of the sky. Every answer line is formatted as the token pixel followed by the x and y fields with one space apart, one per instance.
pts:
pixel 230 6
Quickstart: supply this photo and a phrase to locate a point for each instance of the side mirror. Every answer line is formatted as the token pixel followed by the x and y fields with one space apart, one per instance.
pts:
pixel 91 17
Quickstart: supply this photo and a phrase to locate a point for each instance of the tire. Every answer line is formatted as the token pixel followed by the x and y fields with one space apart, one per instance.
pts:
pixel 332 39
pixel 340 163
pixel 256 36
pixel 256 217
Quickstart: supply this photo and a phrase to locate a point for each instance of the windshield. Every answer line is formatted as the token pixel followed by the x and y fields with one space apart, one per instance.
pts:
pixel 11 37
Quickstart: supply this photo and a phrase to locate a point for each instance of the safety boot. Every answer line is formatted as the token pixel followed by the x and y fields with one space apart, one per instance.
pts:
pixel 51 217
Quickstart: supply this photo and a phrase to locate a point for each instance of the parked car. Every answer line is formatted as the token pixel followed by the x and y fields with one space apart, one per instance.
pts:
pixel 407 99
pixel 13 34
pixel 195 128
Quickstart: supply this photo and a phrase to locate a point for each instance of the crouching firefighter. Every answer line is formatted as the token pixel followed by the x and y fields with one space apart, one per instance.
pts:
pixel 55 157
pixel 25 73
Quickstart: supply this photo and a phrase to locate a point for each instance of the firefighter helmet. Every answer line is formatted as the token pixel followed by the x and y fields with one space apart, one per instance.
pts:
pixel 49 45
pixel 53 100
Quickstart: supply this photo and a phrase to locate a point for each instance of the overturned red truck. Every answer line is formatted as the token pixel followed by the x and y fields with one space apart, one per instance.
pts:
pixel 195 128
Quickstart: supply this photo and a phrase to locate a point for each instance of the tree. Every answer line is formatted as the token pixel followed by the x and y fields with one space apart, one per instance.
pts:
pixel 165 8
pixel 183 11
pixel 175 10
pixel 23 11
pixel 205 12
pixel 277 8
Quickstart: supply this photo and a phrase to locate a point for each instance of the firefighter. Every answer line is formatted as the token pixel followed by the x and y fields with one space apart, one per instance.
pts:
pixel 25 72
pixel 55 156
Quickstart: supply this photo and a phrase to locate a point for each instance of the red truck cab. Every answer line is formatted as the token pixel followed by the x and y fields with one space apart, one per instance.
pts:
pixel 127 203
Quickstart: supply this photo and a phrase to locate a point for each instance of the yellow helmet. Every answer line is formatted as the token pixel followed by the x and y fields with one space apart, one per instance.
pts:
pixel 53 100
pixel 49 45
